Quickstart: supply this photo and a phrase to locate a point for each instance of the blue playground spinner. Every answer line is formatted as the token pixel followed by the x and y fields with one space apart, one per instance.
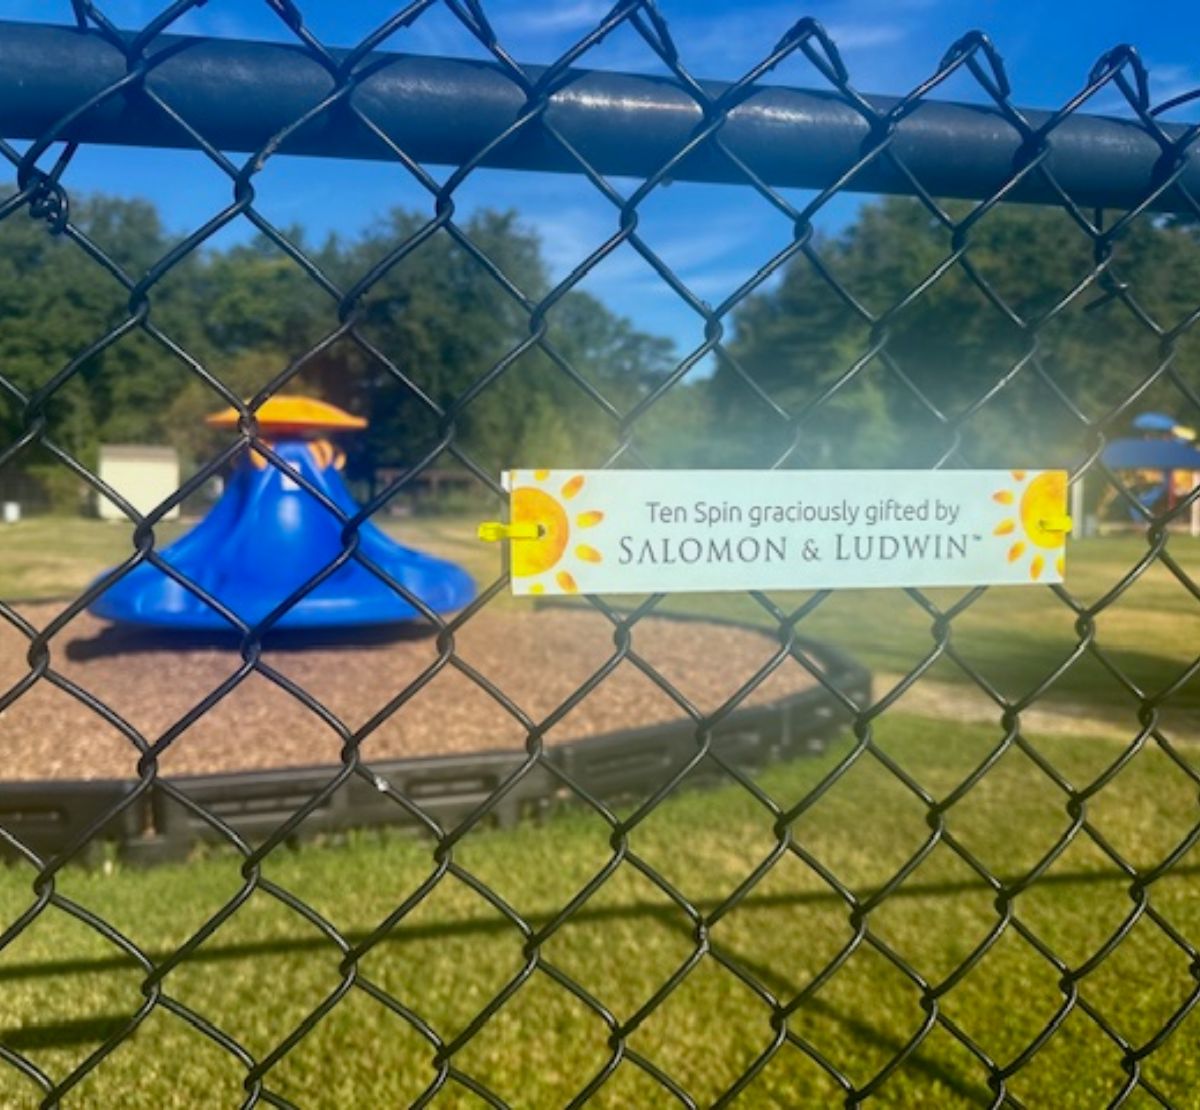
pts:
pixel 1160 463
pixel 267 536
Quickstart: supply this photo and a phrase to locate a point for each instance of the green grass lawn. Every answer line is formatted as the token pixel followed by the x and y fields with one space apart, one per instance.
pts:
pixel 65 989
pixel 56 557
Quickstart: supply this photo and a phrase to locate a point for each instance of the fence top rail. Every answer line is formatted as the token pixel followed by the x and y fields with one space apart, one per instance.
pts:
pixel 240 94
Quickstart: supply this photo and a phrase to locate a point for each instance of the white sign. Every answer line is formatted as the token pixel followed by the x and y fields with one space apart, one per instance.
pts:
pixel 651 531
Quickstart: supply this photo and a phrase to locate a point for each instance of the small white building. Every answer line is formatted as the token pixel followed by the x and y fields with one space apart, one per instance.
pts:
pixel 144 475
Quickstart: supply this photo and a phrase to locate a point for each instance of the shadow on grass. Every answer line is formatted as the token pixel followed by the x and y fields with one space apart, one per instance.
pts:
pixel 1021 668
pixel 64 1034
pixel 88 1030
pixel 636 910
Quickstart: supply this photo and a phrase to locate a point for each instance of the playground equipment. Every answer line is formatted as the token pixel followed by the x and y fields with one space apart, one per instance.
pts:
pixel 1164 425
pixel 1162 463
pixel 267 536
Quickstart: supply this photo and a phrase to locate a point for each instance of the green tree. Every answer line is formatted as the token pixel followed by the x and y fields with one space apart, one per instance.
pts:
pixel 445 324
pixel 432 323
pixel 952 343
pixel 56 303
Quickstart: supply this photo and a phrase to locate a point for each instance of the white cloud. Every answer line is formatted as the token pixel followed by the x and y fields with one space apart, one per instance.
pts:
pixel 712 257
pixel 551 20
pixel 219 23
pixel 865 36
pixel 1167 81
pixel 1170 81
pixel 568 236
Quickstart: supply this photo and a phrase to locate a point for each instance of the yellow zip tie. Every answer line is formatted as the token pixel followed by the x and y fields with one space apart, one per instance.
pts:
pixel 1056 524
pixel 492 531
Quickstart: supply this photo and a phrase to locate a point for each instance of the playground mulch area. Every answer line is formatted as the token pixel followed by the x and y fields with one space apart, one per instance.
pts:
pixel 538 658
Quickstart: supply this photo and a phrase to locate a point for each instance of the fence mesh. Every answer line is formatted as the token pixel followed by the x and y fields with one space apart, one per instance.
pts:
pixel 42 171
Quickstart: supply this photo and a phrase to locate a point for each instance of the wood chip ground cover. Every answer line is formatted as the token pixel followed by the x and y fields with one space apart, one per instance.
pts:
pixel 537 659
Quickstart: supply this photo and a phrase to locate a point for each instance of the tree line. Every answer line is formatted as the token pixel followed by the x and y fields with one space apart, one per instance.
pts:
pixel 1034 331
pixel 437 319
pixel 435 322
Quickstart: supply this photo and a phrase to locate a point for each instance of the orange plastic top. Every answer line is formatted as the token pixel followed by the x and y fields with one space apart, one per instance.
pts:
pixel 279 415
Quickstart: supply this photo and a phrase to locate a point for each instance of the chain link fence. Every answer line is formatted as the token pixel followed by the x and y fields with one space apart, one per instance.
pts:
pixel 116 86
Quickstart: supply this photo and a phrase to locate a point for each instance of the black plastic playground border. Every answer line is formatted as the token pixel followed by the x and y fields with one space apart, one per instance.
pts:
pixel 50 815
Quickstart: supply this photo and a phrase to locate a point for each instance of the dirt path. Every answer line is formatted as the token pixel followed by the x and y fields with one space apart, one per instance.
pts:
pixel 960 702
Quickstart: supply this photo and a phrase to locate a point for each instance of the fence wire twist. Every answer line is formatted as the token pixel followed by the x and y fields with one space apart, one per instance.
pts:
pixel 40 193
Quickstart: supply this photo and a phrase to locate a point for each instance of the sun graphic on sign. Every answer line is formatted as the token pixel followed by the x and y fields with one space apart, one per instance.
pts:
pixel 1041 515
pixel 556 529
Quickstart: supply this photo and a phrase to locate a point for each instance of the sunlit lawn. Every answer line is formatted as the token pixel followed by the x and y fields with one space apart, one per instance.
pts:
pixel 64 989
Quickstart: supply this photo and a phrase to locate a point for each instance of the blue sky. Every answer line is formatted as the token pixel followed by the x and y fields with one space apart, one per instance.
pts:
pixel 713 236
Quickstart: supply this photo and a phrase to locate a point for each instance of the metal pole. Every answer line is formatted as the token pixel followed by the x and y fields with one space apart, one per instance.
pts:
pixel 444 111
pixel 1082 531
pixel 1195 512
